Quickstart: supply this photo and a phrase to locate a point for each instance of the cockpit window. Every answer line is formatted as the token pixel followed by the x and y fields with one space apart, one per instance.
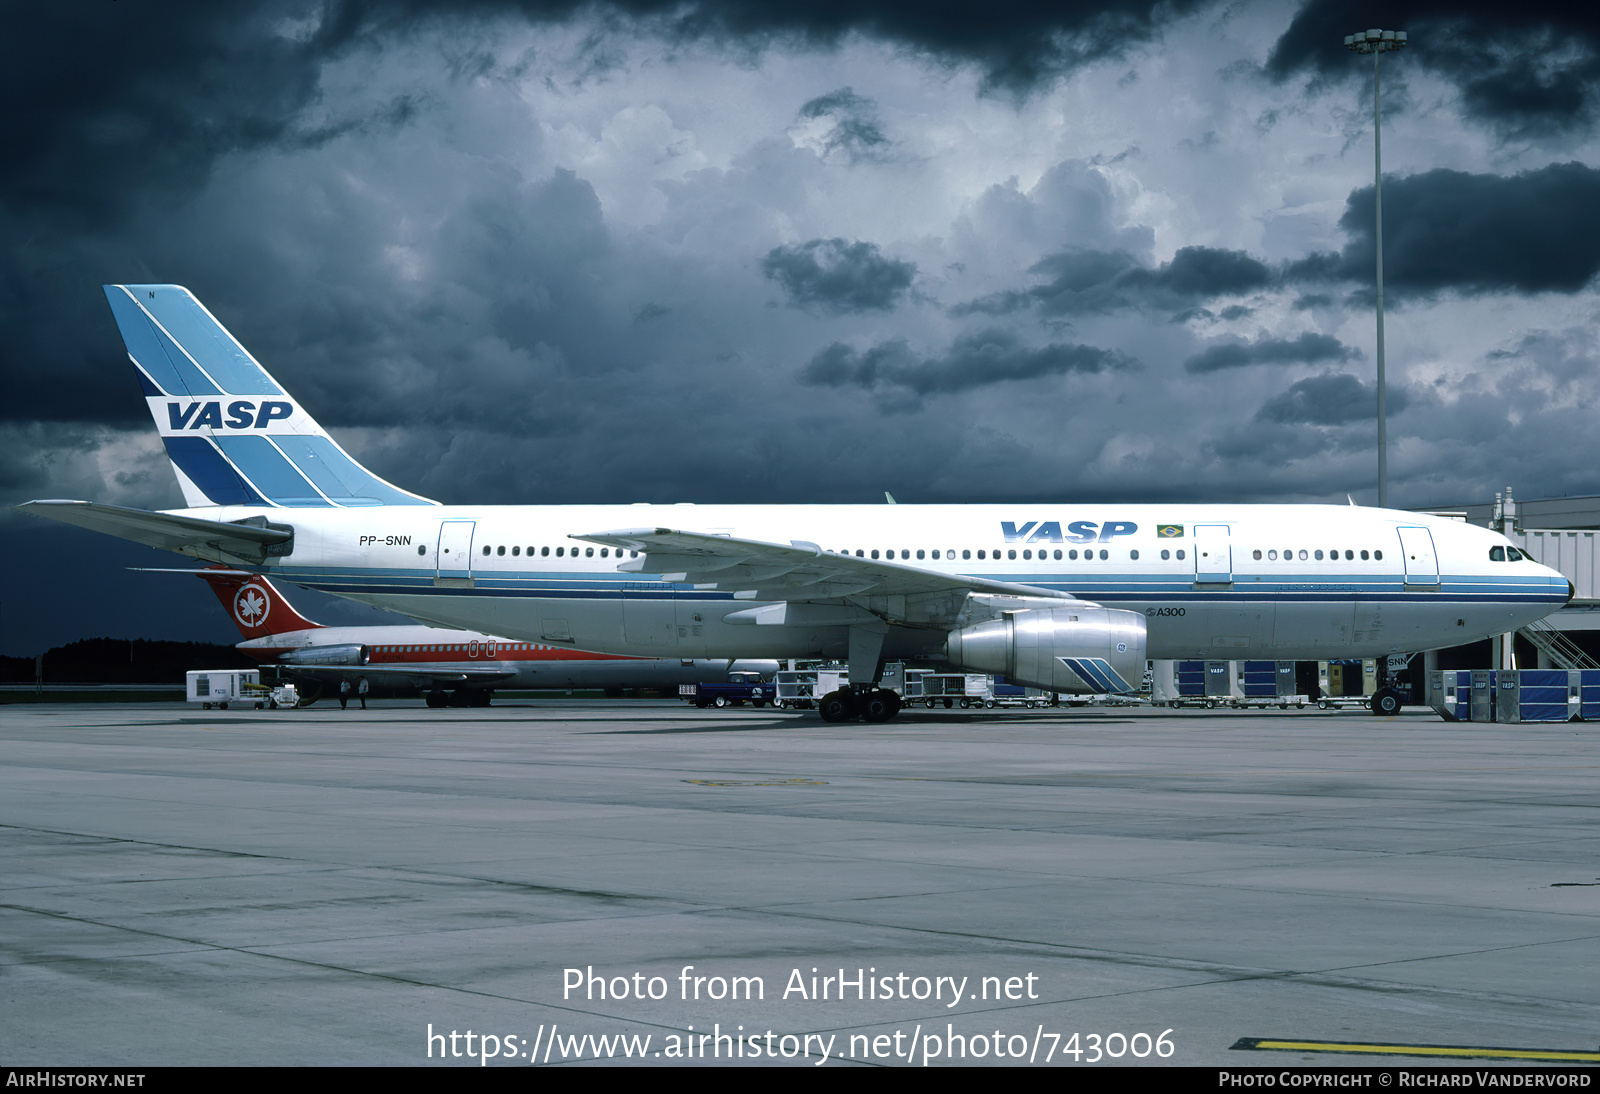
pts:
pixel 1514 555
pixel 1497 554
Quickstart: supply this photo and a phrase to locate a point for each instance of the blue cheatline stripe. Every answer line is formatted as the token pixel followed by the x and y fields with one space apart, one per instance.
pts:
pixel 582 586
pixel 145 346
pixel 272 475
pixel 344 481
pixel 206 468
pixel 212 347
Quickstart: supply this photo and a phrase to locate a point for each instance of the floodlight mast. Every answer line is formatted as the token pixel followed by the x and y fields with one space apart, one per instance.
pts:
pixel 1378 42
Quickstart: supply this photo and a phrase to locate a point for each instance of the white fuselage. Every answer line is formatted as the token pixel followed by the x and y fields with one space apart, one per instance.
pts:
pixel 1224 581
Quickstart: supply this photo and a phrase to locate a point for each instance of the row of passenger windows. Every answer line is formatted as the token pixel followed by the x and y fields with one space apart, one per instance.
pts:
pixel 1496 554
pixel 1333 556
pixel 560 552
pixel 497 646
pixel 983 555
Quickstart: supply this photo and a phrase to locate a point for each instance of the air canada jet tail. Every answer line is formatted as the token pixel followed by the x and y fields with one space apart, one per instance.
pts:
pixel 233 435
pixel 254 603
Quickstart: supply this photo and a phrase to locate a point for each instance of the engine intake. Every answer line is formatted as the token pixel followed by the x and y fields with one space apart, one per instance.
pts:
pixel 1059 649
pixel 327 655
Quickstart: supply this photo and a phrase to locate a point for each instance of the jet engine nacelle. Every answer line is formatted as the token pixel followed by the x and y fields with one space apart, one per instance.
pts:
pixel 327 655
pixel 1072 649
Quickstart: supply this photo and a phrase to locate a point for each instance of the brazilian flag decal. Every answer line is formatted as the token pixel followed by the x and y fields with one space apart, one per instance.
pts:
pixel 1169 531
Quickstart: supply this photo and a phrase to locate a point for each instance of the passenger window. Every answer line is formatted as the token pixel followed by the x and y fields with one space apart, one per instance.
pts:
pixel 935 555
pixel 422 550
pixel 1378 555
pixel 1135 555
pixel 486 550
pixel 1497 554
pixel 905 553
pixel 1058 554
pixel 1302 554
pixel 1104 555
pixel 1363 556
pixel 981 555
pixel 1318 555
pixel 1165 554
pixel 874 553
pixel 919 553
pixel 1272 556
pixel 1011 554
pixel 588 552
pixel 1180 554
pixel 560 551
pixel 544 552
pixel 1350 555
pixel 603 552
pixel 1027 555
pixel 1258 556
pixel 1073 555
pixel 966 554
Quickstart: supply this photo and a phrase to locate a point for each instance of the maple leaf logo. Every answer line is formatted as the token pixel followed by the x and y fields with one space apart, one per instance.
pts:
pixel 251 606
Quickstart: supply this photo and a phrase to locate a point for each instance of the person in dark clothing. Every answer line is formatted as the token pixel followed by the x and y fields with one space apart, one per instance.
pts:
pixel 361 691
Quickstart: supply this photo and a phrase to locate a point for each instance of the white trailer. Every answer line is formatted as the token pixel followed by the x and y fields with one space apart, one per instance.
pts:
pixel 219 687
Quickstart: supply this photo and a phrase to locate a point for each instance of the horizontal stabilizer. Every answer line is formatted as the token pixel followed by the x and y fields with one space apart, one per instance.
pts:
pixel 211 539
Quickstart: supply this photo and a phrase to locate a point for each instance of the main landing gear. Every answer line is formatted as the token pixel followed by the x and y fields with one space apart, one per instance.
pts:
pixel 848 704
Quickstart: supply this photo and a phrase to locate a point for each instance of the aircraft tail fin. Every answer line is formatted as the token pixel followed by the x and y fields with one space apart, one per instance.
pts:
pixel 234 436
pixel 254 603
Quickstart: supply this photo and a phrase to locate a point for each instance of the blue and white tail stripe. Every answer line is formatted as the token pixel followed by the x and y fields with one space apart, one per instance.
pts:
pixel 261 449
pixel 1098 674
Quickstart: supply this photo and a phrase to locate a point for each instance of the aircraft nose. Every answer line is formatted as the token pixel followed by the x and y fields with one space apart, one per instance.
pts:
pixel 1572 591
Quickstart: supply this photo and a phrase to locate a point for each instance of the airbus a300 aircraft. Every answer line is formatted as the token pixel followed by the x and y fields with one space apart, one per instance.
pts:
pixel 1071 598
pixel 453 667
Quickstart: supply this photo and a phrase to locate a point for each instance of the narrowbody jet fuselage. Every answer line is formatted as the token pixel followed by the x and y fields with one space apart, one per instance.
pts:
pixel 1228 581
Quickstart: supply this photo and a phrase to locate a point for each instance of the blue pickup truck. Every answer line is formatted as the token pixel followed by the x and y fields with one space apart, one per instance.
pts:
pixel 740 688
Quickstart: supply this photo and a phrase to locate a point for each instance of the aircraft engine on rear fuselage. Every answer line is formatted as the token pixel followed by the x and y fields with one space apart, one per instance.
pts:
pixel 327 655
pixel 1060 649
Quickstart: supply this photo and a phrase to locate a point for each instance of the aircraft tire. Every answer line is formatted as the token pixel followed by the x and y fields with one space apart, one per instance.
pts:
pixel 1386 703
pixel 879 705
pixel 838 706
pixel 436 699
pixel 948 703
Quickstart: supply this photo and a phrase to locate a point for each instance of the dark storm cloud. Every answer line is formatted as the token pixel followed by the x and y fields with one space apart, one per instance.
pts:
pixel 1528 68
pixel 856 129
pixel 1531 232
pixel 973 360
pixel 1308 349
pixel 836 275
pixel 1084 281
pixel 1333 398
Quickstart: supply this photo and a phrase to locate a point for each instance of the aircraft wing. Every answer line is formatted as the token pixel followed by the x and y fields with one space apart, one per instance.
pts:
pixel 191 535
pixel 755 570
